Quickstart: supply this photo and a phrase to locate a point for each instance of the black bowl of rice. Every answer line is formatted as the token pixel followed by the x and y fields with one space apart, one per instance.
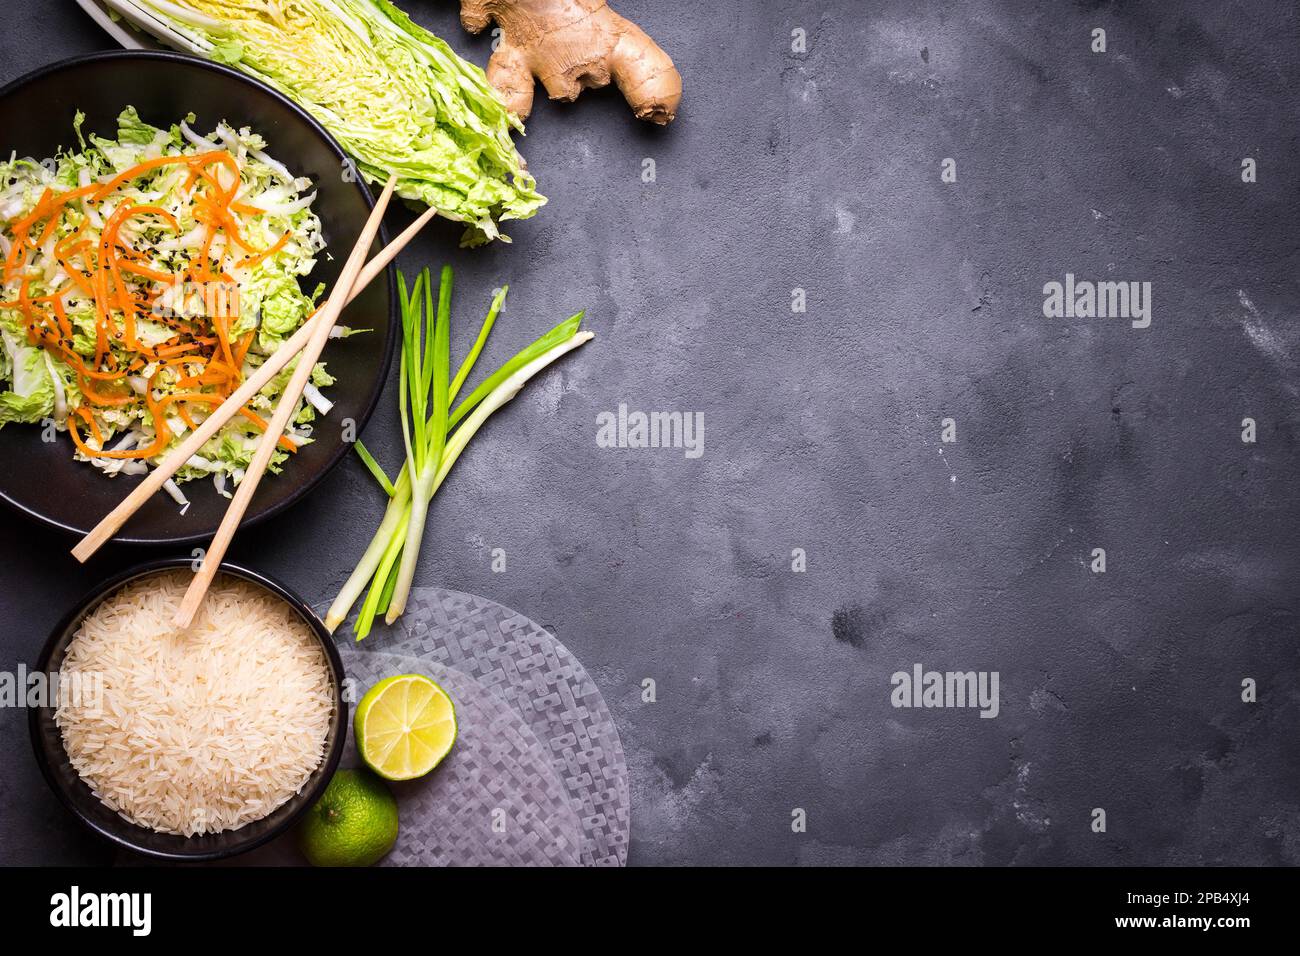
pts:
pixel 194 745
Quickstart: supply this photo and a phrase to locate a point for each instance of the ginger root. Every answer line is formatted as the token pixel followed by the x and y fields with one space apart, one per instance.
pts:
pixel 570 45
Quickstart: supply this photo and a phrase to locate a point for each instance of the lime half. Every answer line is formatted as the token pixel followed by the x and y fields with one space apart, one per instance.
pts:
pixel 404 726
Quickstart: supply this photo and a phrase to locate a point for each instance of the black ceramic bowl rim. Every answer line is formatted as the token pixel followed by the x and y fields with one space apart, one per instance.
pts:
pixel 122 831
pixel 372 401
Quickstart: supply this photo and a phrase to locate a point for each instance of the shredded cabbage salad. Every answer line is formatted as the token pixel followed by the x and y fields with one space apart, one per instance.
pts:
pixel 146 276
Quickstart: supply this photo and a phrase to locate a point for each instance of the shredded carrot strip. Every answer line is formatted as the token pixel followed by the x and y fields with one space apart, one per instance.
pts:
pixel 136 269
pixel 166 351
pixel 39 211
pixel 160 442
pixel 84 412
pixel 112 401
pixel 241 352
pixel 221 324
pixel 256 259
pixel 61 313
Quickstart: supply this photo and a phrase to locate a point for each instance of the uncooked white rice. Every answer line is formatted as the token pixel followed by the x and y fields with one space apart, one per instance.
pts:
pixel 202 730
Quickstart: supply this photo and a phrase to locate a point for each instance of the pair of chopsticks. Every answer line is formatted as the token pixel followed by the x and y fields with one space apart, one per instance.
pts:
pixel 309 341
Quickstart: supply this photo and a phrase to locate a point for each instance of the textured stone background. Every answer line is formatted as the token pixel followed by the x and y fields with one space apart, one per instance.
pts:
pixel 821 171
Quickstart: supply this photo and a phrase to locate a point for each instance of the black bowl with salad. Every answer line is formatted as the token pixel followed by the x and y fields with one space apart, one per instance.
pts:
pixel 167 223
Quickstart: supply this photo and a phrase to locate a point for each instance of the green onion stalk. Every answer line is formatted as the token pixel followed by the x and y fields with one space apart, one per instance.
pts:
pixel 434 436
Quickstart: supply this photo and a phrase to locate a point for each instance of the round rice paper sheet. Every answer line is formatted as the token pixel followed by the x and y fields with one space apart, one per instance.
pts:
pixel 495 800
pixel 527 666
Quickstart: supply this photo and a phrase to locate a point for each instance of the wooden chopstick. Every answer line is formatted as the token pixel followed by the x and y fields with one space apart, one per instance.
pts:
pixel 153 482
pixel 283 411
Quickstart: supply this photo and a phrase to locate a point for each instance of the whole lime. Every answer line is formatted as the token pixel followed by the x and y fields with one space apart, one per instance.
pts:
pixel 353 824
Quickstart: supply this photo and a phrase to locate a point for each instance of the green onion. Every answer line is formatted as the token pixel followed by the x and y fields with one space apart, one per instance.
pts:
pixel 561 333
pixel 433 436
pixel 364 454
pixel 467 366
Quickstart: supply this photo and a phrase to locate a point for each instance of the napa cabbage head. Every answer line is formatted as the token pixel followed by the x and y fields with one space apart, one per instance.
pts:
pixel 398 98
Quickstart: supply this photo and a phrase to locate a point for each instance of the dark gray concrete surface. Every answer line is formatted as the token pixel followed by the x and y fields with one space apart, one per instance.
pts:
pixel 821 171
